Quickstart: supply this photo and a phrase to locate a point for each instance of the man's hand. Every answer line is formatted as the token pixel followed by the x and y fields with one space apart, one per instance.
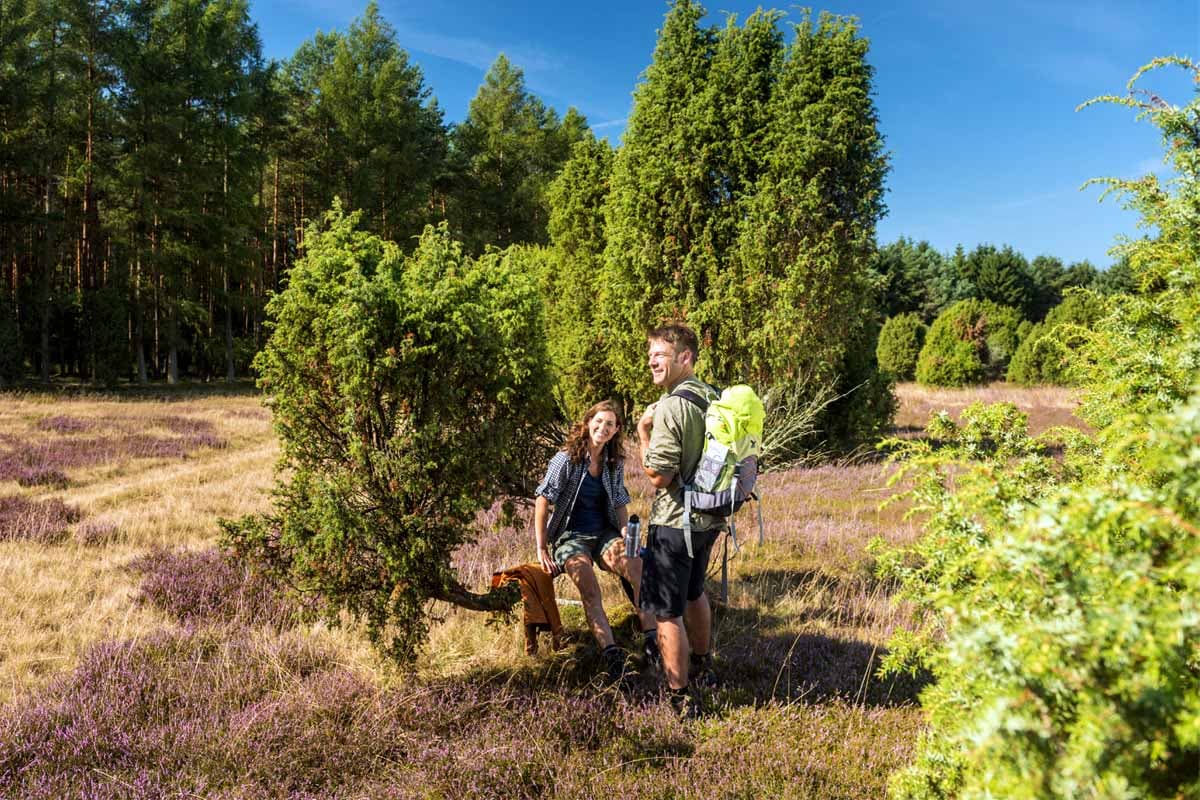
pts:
pixel 645 425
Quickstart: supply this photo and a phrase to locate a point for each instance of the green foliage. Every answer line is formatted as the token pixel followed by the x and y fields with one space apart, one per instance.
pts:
pixel 107 320
pixel 570 277
pixel 909 274
pixel 761 237
pixel 666 214
pixel 1060 621
pixel 11 363
pixel 408 394
pixel 1061 596
pixel 866 404
pixel 1000 276
pixel 969 343
pixel 949 284
pixel 806 242
pixel 507 151
pixel 1143 356
pixel 365 126
pixel 900 343
pixel 1051 280
pixel 1117 279
pixel 1049 348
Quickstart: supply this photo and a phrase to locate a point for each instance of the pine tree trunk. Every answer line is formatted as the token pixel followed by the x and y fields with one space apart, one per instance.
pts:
pixel 47 277
pixel 230 372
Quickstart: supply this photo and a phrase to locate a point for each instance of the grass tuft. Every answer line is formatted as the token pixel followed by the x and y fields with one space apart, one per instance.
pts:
pixel 41 521
pixel 208 587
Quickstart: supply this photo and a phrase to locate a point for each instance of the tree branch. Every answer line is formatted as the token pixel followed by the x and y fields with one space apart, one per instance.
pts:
pixel 501 598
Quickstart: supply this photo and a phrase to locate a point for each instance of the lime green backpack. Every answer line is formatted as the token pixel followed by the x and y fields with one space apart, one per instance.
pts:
pixel 728 469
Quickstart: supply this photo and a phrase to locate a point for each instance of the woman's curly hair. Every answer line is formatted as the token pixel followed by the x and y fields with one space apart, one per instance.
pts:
pixel 576 447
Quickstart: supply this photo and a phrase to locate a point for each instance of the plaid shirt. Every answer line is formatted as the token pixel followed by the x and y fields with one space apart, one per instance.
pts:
pixel 561 487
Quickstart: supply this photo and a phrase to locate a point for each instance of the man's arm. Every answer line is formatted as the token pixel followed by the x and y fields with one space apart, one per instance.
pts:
pixel 658 479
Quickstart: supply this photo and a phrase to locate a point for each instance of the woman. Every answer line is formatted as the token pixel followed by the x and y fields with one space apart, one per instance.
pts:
pixel 585 483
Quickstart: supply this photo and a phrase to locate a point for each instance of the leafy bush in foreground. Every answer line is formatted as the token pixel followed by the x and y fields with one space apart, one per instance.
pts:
pixel 1064 596
pixel 900 343
pixel 1069 666
pixel 408 394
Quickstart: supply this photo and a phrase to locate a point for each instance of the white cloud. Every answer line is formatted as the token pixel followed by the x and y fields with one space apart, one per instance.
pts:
pixel 476 52
pixel 612 123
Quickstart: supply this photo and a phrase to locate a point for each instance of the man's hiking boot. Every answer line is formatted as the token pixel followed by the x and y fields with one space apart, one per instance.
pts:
pixel 615 662
pixel 701 672
pixel 685 702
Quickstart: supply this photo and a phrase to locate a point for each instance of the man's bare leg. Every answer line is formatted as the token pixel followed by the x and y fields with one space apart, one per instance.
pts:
pixel 673 643
pixel 697 616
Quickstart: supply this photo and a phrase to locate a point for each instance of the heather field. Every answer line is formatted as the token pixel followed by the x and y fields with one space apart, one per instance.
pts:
pixel 136 661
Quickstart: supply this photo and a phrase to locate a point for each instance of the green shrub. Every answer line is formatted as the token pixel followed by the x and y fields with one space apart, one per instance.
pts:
pixel 408 394
pixel 1061 590
pixel 900 343
pixel 1060 620
pixel 1033 361
pixel 867 403
pixel 1048 349
pixel 970 342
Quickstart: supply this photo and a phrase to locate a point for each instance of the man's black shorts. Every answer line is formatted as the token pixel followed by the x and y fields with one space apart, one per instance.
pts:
pixel 670 579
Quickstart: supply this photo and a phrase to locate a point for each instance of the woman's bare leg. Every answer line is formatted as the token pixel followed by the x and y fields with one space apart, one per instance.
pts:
pixel 583 573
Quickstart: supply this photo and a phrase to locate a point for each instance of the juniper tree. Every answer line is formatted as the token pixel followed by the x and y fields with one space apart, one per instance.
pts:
pixel 408 393
pixel 798 288
pixel 571 276
pixel 744 199
pixel 659 210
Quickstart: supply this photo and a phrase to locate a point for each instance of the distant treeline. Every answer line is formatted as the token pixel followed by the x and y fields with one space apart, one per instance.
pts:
pixel 990 314
pixel 916 278
pixel 156 175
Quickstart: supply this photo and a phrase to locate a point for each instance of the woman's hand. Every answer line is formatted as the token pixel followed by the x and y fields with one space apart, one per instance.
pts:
pixel 547 562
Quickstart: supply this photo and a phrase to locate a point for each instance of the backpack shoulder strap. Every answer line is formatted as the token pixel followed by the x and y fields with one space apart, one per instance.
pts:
pixel 695 399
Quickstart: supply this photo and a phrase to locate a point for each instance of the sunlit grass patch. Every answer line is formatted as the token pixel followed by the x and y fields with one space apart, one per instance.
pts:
pixel 60 597
pixel 1047 406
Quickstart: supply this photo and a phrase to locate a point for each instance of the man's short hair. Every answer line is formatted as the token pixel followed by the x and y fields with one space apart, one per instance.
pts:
pixel 679 336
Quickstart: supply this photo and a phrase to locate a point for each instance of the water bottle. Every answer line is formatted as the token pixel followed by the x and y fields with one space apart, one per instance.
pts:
pixel 633 536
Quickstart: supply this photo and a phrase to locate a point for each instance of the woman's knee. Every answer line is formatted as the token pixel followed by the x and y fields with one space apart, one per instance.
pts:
pixel 583 575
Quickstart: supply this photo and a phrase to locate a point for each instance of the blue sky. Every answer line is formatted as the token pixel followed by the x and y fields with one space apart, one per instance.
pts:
pixel 976 99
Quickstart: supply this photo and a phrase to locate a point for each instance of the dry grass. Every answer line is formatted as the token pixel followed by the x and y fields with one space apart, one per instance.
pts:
pixel 58 599
pixel 1047 406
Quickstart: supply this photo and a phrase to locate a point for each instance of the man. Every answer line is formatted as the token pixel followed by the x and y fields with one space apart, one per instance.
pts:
pixel 671 434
